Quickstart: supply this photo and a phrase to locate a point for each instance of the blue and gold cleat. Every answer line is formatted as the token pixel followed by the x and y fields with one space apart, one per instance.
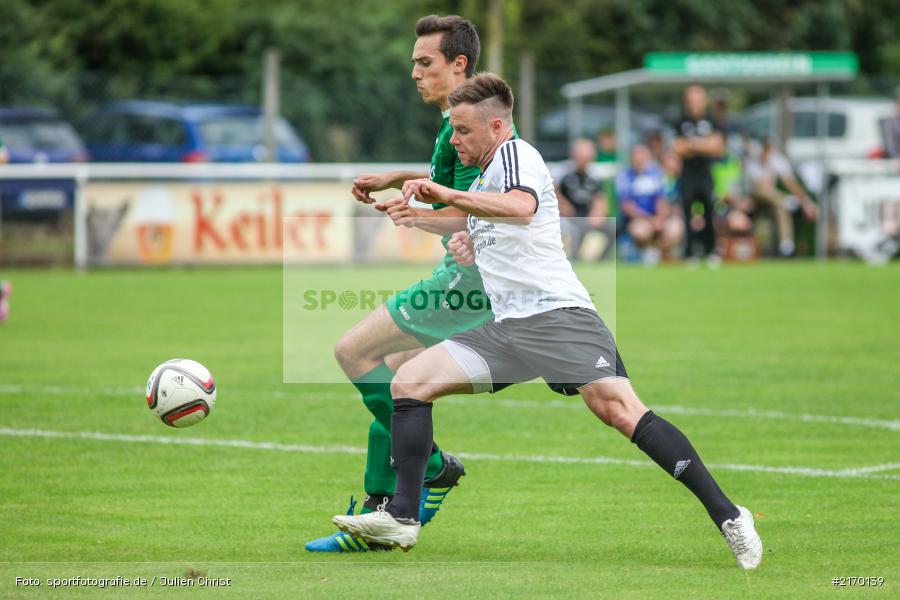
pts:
pixel 344 541
pixel 436 489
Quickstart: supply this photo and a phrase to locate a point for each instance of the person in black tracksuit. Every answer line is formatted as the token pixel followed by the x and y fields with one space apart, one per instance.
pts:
pixel 699 141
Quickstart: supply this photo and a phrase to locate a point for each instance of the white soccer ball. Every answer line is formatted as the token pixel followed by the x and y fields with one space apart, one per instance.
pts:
pixel 181 392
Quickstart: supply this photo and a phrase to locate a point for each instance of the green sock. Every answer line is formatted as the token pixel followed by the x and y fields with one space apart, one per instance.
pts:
pixel 435 464
pixel 375 388
pixel 380 476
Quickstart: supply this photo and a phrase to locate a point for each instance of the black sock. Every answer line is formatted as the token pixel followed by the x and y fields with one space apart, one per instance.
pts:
pixel 671 450
pixel 411 433
pixel 373 501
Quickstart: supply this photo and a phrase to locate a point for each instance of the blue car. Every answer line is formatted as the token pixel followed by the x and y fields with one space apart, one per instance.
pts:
pixel 147 131
pixel 33 135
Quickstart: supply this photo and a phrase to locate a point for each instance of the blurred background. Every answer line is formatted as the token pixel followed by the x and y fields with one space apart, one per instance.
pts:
pixel 318 83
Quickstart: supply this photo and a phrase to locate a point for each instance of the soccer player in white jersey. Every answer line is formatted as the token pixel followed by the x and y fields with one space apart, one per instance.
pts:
pixel 545 324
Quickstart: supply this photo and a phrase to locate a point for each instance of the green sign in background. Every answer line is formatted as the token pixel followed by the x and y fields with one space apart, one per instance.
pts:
pixel 752 64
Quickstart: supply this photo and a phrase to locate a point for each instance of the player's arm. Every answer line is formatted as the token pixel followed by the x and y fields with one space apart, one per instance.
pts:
pixel 441 222
pixel 516 205
pixel 365 184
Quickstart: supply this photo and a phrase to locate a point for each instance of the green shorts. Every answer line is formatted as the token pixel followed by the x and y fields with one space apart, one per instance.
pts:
pixel 451 302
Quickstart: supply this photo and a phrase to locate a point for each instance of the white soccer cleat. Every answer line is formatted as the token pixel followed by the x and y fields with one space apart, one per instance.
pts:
pixel 380 527
pixel 742 538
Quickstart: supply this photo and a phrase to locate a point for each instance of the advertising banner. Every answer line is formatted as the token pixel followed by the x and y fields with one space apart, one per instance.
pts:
pixel 182 223
pixel 869 216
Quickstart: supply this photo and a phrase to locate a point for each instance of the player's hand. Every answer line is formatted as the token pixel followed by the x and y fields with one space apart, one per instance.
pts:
pixel 384 206
pixel 401 213
pixel 426 191
pixel 372 182
pixel 461 248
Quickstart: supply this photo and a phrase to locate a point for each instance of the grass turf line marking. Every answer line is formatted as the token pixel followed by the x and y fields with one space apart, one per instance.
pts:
pixel 858 473
pixel 892 425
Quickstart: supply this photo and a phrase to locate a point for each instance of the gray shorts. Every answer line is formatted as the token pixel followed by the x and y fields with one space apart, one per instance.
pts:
pixel 567 347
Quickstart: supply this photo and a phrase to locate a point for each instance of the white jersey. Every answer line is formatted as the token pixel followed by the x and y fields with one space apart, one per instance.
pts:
pixel 524 267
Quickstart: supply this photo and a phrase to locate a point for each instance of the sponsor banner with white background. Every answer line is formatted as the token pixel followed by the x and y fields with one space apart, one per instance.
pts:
pixel 181 223
pixel 869 215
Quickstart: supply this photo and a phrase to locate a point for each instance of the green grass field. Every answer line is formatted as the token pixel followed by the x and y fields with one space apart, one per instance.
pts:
pixel 785 377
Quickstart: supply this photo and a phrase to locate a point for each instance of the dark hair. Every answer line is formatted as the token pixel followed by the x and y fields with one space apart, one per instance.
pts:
pixel 484 86
pixel 459 37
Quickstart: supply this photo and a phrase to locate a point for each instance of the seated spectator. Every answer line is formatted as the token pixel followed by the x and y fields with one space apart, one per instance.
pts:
pixel 671 165
pixel 656 145
pixel 764 169
pixel 582 203
pixel 647 213
pixel 732 202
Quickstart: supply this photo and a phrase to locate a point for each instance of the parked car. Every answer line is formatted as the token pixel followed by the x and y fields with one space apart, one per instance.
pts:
pixel 852 130
pixel 33 135
pixel 148 131
pixel 553 128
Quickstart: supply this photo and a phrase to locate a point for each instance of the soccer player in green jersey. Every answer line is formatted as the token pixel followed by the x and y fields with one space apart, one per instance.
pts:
pixel 451 301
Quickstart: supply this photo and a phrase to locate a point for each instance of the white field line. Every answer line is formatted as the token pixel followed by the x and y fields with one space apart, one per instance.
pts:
pixel 860 473
pixel 877 468
pixel 891 425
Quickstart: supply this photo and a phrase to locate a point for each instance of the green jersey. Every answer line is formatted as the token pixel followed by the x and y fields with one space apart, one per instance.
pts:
pixel 448 170
pixel 460 302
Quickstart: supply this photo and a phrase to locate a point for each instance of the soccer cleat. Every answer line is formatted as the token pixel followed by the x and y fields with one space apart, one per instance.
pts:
pixel 380 527
pixel 5 289
pixel 344 542
pixel 436 489
pixel 742 538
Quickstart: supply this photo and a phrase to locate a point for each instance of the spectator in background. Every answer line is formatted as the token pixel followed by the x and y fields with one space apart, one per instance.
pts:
pixel 698 141
pixel 4 154
pixel 721 116
pixel 671 165
pixel 582 202
pixel 606 146
pixel 765 168
pixel 656 146
pixel 727 169
pixel 890 132
pixel 646 211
